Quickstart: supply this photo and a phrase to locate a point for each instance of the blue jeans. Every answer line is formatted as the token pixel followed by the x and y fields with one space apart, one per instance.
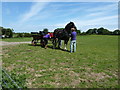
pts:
pixel 73 46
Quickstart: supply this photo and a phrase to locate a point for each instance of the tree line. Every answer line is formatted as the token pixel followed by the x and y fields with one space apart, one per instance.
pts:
pixel 9 33
pixel 101 31
pixel 6 32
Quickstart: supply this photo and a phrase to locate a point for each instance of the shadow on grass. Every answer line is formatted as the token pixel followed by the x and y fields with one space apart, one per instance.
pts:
pixel 36 45
pixel 48 46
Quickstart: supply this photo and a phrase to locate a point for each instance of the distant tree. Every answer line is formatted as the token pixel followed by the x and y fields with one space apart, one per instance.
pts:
pixel 27 35
pixel 83 33
pixel 89 31
pixel 116 32
pixel 20 35
pixel 102 31
pixel 45 30
pixel 11 33
pixel 1 28
pixel 78 32
pixel 92 31
pixel 7 32
pixel 3 31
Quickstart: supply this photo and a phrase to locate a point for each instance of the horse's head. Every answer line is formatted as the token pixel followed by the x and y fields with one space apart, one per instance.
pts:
pixel 41 33
pixel 69 26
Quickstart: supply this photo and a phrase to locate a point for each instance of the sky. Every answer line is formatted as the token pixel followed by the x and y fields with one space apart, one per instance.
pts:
pixel 35 16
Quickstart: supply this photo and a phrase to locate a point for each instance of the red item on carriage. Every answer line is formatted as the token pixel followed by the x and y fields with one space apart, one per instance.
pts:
pixel 51 35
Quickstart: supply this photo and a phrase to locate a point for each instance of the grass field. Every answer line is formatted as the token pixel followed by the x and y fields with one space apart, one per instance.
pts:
pixel 17 39
pixel 94 65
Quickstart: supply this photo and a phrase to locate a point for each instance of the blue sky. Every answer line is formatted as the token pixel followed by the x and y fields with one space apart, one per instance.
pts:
pixel 35 16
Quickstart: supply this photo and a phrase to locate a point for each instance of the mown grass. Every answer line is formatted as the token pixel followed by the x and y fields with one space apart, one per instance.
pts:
pixel 94 65
pixel 22 39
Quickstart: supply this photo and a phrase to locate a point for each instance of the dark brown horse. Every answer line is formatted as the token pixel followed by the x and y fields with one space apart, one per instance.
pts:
pixel 36 37
pixel 62 35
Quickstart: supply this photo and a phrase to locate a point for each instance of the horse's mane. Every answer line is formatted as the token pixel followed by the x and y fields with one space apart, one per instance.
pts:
pixel 69 26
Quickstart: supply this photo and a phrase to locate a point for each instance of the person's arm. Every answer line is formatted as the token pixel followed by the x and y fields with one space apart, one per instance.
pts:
pixel 70 35
pixel 44 36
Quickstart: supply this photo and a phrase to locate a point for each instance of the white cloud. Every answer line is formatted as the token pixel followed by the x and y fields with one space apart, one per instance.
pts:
pixel 104 8
pixel 98 21
pixel 24 18
pixel 109 21
pixel 99 16
pixel 35 9
pixel 96 14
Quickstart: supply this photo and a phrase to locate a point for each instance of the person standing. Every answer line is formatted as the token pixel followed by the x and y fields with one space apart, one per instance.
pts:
pixel 73 41
pixel 45 38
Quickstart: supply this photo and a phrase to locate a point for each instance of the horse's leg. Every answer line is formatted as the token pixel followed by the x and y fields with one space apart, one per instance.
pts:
pixel 65 44
pixel 37 40
pixel 41 42
pixel 33 42
pixel 46 42
pixel 54 43
pixel 59 43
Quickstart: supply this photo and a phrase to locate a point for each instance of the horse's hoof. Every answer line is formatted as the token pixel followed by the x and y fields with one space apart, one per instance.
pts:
pixel 65 49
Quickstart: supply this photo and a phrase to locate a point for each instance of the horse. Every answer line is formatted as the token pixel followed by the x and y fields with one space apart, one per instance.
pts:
pixel 37 36
pixel 63 34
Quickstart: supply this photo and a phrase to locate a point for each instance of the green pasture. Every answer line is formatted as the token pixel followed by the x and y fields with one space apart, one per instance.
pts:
pixel 21 39
pixel 94 65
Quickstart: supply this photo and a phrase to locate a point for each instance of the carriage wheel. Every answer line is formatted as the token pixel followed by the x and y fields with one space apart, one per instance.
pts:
pixel 34 43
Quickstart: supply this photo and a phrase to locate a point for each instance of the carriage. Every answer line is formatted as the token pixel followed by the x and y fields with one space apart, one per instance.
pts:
pixel 38 37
